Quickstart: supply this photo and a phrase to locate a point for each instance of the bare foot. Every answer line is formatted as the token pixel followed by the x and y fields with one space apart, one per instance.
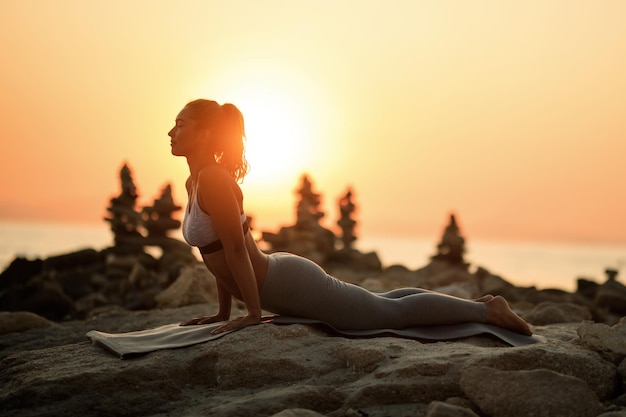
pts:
pixel 500 314
pixel 484 298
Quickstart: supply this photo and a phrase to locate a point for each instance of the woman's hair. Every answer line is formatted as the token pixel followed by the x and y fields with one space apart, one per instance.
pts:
pixel 227 133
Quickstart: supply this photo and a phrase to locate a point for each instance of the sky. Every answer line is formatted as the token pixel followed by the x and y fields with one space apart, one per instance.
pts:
pixel 509 114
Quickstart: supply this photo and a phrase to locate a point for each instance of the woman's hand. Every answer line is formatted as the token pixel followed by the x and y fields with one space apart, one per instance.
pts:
pixel 204 320
pixel 238 323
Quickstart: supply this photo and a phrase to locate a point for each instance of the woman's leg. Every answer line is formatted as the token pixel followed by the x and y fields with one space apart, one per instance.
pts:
pixel 402 292
pixel 298 287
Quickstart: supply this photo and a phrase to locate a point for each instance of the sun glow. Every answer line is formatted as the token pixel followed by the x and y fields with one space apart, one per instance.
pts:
pixel 278 144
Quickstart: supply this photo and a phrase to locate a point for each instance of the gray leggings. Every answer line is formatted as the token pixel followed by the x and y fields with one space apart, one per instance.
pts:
pixel 296 286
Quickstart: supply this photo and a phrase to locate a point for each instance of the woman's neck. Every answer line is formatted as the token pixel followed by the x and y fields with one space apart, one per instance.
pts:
pixel 196 164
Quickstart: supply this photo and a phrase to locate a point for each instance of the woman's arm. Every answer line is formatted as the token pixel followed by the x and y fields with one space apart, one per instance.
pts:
pixel 224 299
pixel 217 197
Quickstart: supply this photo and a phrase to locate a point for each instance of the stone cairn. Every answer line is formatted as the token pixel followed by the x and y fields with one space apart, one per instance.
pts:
pixel 125 220
pixel 346 222
pixel 157 219
pixel 133 228
pixel 308 238
pixel 451 248
pixel 127 274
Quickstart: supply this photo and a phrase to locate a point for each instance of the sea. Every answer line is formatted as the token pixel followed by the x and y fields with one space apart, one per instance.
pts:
pixel 523 263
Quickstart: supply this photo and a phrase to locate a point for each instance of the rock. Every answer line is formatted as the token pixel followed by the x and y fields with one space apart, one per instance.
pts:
pixel 176 254
pixel 493 284
pixel 611 296
pixel 157 219
pixel 586 288
pixel 451 248
pixel 621 402
pixel 609 341
pixel 297 412
pixel 73 260
pixel 548 313
pixel 621 370
pixel 90 302
pixel 46 298
pixel 20 271
pixel 563 358
pixel 621 413
pixel 195 285
pixel 268 369
pixel 442 409
pixel 308 238
pixel 538 392
pixel 439 273
pixel 21 321
pixel 76 283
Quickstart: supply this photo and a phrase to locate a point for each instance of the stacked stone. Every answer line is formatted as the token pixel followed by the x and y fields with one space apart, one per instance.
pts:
pixel 157 219
pixel 125 220
pixel 346 222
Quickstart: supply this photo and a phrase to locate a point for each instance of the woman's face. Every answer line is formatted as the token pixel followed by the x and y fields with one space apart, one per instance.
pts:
pixel 186 136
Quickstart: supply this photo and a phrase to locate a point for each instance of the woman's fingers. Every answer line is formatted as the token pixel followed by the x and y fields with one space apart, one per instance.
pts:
pixel 198 320
pixel 236 324
pixel 231 325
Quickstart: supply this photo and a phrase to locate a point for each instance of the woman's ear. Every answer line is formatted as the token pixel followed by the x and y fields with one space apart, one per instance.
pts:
pixel 205 135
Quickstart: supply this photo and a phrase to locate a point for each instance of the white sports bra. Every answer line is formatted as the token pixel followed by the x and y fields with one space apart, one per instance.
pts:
pixel 198 229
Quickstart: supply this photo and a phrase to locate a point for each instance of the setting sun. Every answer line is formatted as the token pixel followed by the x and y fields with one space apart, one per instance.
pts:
pixel 277 145
pixel 278 108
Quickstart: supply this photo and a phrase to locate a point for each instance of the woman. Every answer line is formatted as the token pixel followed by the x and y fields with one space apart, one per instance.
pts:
pixel 211 137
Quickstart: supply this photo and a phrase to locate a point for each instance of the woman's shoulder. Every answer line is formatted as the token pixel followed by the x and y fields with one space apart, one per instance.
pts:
pixel 213 173
pixel 217 181
pixel 216 177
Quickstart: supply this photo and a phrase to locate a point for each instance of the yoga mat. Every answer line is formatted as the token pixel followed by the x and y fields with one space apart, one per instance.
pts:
pixel 175 336
pixel 427 333
pixel 164 337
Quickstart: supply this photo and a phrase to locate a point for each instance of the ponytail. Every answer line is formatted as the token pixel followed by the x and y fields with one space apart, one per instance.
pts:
pixel 232 135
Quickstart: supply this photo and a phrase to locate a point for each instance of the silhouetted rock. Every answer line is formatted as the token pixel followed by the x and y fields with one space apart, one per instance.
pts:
pixel 451 248
pixel 587 288
pixel 20 271
pixel 157 219
pixel 308 238
pixel 611 297
pixel 124 218
pixel 80 258
pixel 346 222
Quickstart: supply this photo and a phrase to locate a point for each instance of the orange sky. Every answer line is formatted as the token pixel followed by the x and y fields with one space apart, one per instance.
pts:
pixel 511 114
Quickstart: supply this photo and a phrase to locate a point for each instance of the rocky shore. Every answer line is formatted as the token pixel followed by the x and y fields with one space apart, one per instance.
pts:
pixel 48 367
pixel 297 370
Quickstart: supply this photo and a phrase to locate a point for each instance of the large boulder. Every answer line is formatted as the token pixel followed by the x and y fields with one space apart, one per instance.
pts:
pixel 537 392
pixel 548 313
pixel 610 341
pixel 195 285
pixel 611 296
pixel 20 321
